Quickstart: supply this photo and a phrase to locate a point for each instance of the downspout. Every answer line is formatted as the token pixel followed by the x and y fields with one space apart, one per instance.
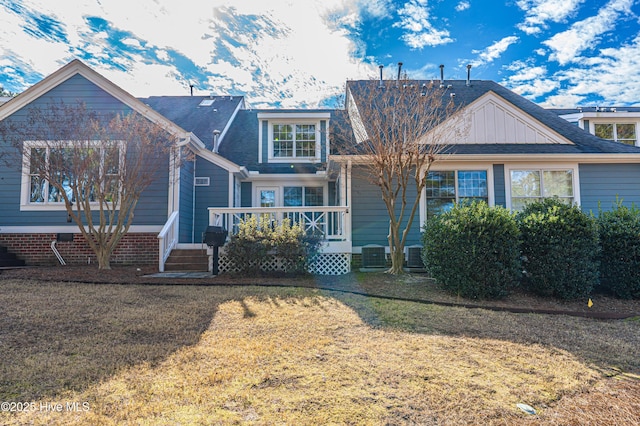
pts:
pixel 193 203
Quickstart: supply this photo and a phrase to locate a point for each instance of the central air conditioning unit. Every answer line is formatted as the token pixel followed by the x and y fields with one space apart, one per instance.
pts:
pixel 414 257
pixel 373 256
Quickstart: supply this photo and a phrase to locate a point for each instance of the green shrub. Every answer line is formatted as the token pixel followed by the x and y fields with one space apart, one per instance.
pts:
pixel 620 256
pixel 249 248
pixel 559 248
pixel 259 239
pixel 473 250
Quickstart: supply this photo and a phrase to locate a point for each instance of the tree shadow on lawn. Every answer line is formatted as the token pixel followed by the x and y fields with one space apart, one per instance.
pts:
pixel 609 345
pixel 57 336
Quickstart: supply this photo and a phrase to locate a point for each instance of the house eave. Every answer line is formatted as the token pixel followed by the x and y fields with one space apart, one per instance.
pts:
pixel 509 158
pixel 78 67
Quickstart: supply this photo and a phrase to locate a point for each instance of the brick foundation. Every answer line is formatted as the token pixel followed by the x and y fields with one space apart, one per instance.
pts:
pixel 35 249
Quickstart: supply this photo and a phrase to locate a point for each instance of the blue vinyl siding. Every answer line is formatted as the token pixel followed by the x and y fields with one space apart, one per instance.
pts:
pixel 369 220
pixel 153 205
pixel 499 186
pixel 265 141
pixel 214 195
pixel 601 183
pixel 186 203
pixel 246 194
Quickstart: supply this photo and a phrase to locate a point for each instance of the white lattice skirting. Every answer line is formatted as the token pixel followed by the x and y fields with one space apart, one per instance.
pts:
pixel 324 264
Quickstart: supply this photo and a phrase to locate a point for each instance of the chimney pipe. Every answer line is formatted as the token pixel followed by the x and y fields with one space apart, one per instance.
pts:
pixel 399 69
pixel 469 75
pixel 381 84
pixel 216 135
pixel 191 89
pixel 441 75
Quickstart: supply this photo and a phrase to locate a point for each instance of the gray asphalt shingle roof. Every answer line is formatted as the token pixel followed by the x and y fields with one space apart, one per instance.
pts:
pixel 584 142
pixel 200 120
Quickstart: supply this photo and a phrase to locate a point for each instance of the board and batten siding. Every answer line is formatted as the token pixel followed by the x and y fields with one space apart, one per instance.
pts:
pixel 214 195
pixel 369 218
pixel 600 184
pixel 152 209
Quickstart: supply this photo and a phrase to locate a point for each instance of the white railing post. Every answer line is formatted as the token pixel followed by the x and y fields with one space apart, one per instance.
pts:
pixel 167 239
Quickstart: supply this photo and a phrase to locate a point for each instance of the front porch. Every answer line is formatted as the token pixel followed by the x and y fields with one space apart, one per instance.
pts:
pixel 332 223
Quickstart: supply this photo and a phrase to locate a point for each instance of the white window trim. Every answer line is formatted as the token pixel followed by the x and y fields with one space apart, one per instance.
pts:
pixel 279 187
pixel 25 185
pixel 543 167
pixel 294 159
pixel 613 121
pixel 448 167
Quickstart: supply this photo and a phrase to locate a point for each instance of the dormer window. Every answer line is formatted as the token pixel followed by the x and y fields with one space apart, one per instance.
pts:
pixel 293 137
pixel 619 132
pixel 294 140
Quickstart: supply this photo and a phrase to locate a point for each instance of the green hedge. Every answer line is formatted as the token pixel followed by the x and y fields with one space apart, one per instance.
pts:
pixel 559 248
pixel 259 239
pixel 620 256
pixel 473 250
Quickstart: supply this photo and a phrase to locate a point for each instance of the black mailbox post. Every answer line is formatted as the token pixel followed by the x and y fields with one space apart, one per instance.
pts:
pixel 215 236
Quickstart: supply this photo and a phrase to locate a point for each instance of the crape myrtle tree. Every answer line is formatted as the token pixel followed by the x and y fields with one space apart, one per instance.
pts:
pixel 96 165
pixel 401 127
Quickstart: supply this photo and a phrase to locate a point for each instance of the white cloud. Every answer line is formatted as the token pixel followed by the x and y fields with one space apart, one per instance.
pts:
pixel 162 37
pixel 530 81
pixel 415 19
pixel 612 76
pixel 492 52
pixel 568 45
pixel 463 5
pixel 539 12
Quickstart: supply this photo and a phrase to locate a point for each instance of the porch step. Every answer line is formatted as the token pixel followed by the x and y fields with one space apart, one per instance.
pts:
pixel 187 260
pixel 8 260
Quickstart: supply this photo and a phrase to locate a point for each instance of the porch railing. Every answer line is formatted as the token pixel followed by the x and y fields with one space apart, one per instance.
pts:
pixel 167 239
pixel 327 221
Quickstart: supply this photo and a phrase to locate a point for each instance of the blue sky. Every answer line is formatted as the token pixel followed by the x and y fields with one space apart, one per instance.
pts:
pixel 299 53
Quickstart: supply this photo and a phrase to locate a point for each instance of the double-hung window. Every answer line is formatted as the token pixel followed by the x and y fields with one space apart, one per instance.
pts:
pixel 619 132
pixel 53 170
pixel 294 140
pixel 445 188
pixel 529 185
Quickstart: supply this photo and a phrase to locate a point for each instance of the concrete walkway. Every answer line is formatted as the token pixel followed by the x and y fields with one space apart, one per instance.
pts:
pixel 179 274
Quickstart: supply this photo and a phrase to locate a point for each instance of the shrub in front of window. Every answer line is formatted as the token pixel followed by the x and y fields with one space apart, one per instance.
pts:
pixel 473 250
pixel 259 239
pixel 620 256
pixel 559 248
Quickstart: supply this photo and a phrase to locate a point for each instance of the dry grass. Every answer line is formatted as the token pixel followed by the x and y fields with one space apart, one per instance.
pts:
pixel 223 355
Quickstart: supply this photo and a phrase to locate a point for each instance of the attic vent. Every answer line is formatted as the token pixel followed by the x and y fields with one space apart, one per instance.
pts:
pixel 201 181
pixel 373 257
pixel 207 102
pixel 414 257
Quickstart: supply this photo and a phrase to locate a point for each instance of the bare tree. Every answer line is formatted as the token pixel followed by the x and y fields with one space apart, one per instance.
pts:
pixel 7 93
pixel 401 127
pixel 96 165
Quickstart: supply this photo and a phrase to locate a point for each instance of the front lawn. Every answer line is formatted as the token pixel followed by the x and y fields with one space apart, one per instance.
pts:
pixel 147 354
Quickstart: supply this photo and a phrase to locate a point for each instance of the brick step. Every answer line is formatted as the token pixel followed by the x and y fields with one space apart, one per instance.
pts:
pixel 187 260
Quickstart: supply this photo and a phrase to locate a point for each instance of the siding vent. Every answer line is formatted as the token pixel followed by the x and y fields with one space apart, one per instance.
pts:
pixel 373 256
pixel 202 181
